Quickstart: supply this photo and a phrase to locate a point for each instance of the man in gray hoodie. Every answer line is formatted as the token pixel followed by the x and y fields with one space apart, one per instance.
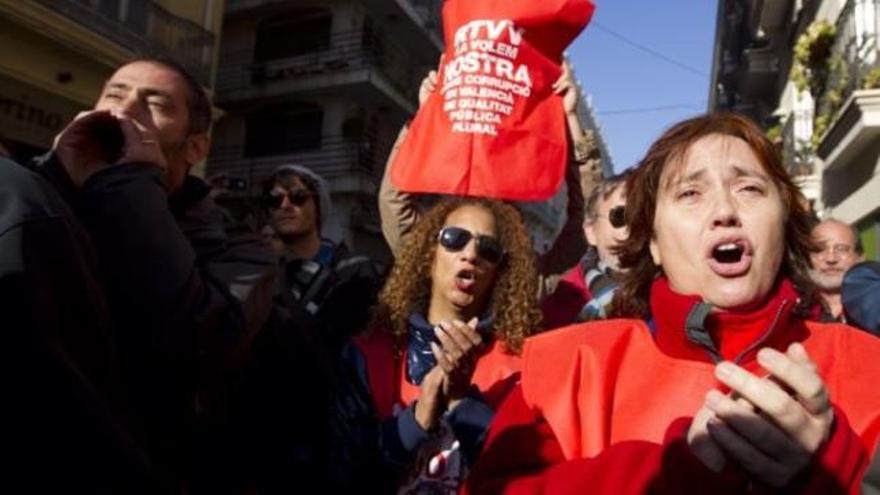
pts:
pixel 318 271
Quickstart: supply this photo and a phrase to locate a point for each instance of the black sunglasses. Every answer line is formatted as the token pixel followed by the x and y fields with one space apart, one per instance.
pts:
pixel 617 216
pixel 454 239
pixel 297 197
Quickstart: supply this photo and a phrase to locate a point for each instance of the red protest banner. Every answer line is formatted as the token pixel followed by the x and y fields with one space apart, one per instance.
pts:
pixel 493 127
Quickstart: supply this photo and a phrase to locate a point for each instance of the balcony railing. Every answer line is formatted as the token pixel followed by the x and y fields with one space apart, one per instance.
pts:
pixel 797 154
pixel 430 13
pixel 147 29
pixel 346 52
pixel 853 54
pixel 337 157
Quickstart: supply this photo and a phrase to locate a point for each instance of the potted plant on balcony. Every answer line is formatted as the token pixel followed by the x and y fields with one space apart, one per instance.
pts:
pixel 811 52
pixel 871 79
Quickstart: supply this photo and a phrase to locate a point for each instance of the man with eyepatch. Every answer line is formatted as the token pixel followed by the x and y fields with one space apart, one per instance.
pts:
pixel 318 272
pixel 586 290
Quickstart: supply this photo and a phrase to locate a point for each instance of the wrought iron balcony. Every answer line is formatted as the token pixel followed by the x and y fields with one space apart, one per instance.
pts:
pixel 853 55
pixel 430 13
pixel 336 157
pixel 145 28
pixel 346 52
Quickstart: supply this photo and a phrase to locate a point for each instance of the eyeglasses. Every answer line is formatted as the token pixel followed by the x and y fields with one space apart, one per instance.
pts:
pixel 297 197
pixel 617 216
pixel 454 239
pixel 841 250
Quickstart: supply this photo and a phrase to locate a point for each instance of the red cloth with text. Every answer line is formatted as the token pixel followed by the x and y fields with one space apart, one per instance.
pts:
pixel 493 126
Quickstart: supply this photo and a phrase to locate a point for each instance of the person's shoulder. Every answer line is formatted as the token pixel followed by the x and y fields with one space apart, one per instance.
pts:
pixel 837 330
pixel 589 333
pixel 859 298
pixel 556 363
pixel 373 341
pixel 347 261
pixel 24 188
pixel 556 351
pixel 865 271
pixel 842 342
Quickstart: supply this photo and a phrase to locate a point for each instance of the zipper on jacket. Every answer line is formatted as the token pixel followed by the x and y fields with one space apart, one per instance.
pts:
pixel 766 334
pixel 696 331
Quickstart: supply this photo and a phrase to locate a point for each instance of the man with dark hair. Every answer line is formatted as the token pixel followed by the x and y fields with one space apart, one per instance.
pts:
pixel 327 292
pixel 840 249
pixel 185 292
pixel 585 292
pixel 319 272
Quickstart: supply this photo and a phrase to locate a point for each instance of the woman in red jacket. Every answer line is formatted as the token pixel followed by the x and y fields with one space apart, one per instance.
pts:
pixel 420 388
pixel 716 383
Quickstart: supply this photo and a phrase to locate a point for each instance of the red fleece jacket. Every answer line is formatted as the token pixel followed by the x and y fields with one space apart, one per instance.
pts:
pixel 605 406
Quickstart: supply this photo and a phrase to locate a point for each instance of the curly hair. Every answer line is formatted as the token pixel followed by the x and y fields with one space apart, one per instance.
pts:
pixel 513 303
pixel 642 187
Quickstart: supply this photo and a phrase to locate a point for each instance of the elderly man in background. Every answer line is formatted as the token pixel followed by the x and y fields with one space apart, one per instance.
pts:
pixel 840 249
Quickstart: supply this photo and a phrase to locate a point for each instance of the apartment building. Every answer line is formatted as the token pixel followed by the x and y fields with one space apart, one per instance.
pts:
pixel 326 85
pixel 56 54
pixel 808 70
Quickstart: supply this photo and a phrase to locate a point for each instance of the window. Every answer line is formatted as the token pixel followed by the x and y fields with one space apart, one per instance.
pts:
pixel 299 32
pixel 281 129
pixel 866 30
pixel 803 118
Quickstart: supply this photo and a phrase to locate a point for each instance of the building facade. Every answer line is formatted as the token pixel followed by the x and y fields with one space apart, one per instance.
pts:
pixel 808 70
pixel 56 54
pixel 326 85
pixel 545 219
pixel 590 121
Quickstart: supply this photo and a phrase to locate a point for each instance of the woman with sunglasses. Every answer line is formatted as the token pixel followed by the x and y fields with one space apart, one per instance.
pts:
pixel 419 389
pixel 400 211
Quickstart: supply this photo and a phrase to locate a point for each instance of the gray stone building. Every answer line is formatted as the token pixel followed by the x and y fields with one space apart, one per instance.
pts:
pixel 322 84
pixel 326 85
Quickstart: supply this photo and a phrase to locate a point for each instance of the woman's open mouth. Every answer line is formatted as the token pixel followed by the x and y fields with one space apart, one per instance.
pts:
pixel 465 280
pixel 731 257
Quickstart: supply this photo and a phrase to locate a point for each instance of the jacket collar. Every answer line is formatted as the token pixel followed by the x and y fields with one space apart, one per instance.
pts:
pixel 688 328
pixel 192 191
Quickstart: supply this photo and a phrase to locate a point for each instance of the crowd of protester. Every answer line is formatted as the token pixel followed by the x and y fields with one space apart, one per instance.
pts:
pixel 693 328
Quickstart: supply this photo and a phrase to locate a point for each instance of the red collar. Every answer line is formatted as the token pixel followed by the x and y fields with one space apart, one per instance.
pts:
pixel 733 335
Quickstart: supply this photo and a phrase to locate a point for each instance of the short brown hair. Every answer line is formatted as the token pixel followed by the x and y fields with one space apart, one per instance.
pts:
pixel 632 298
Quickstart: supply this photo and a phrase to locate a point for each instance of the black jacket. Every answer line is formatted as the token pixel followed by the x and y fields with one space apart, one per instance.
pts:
pixel 187 293
pixel 67 428
pixel 338 293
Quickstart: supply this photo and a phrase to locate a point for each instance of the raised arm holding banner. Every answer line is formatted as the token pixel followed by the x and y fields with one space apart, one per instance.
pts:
pixel 495 128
